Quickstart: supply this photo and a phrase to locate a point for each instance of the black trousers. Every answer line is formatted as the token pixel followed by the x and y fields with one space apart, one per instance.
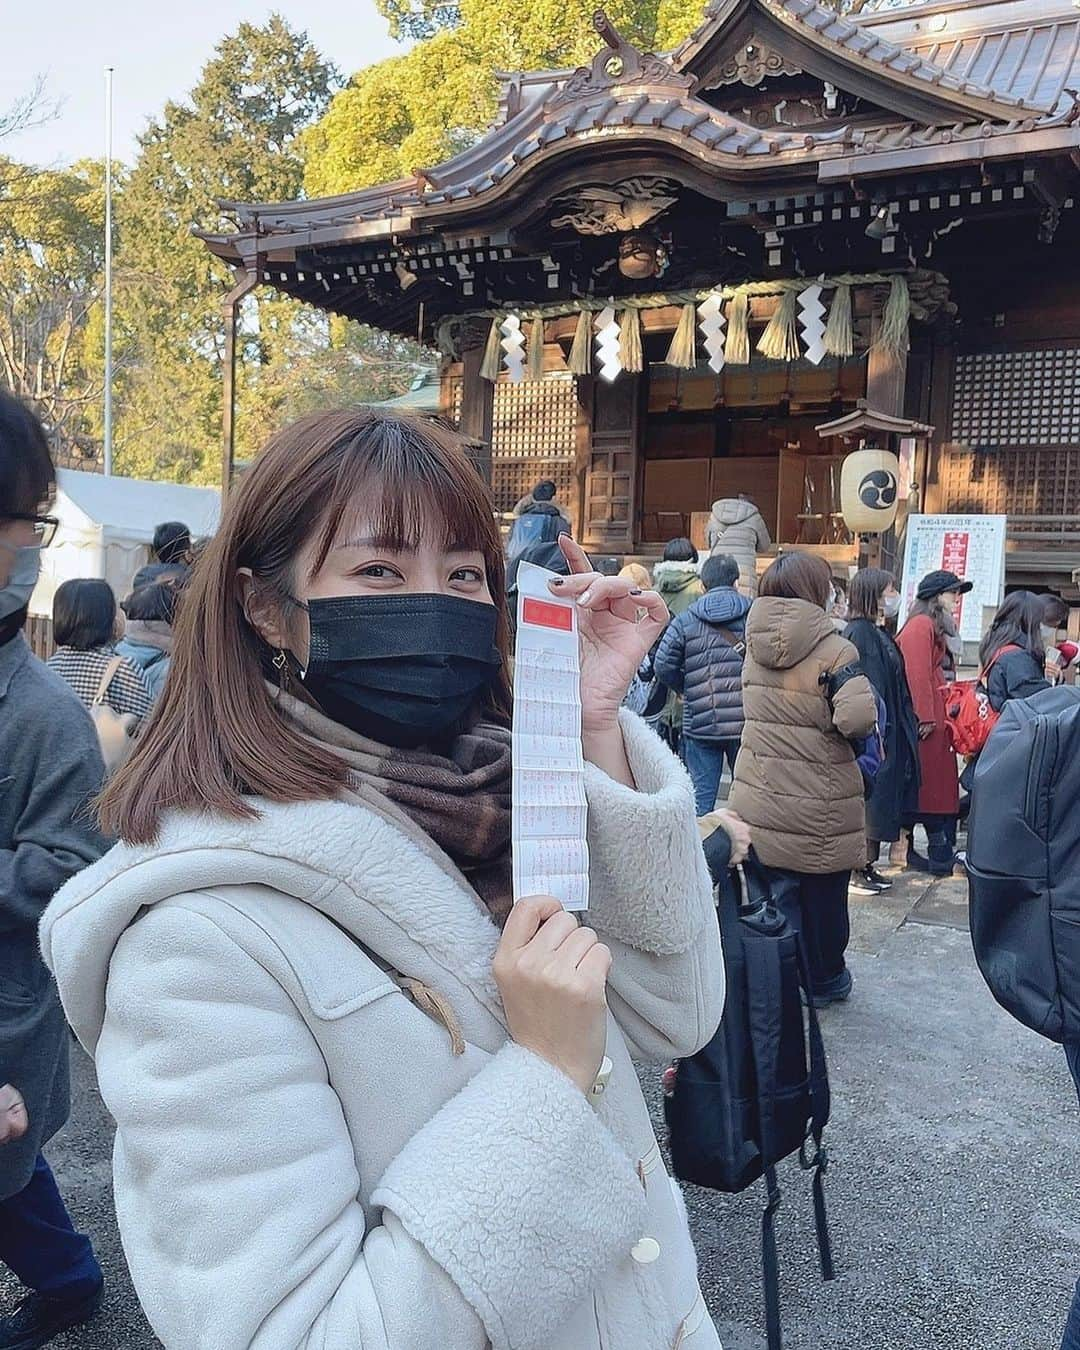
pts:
pixel 816 905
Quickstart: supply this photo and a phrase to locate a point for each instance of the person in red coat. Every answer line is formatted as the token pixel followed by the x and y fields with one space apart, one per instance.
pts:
pixel 922 642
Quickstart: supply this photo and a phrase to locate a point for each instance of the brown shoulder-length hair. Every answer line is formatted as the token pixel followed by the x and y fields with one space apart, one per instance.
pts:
pixel 934 610
pixel 798 576
pixel 216 738
pixel 867 587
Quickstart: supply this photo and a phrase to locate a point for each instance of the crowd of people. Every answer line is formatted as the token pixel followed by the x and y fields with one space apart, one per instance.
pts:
pixel 285 930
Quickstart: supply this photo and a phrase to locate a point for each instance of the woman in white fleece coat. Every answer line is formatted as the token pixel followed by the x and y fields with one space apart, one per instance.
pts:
pixel 351 1113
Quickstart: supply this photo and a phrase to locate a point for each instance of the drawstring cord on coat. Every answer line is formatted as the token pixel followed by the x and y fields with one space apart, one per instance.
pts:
pixel 435 1005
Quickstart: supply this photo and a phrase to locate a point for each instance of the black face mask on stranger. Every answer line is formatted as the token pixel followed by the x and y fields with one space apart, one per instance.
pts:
pixel 400 669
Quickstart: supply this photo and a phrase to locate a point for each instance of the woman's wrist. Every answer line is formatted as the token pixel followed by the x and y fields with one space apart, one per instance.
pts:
pixel 603 746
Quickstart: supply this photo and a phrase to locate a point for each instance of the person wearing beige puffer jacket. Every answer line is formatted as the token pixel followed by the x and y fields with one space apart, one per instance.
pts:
pixel 797 784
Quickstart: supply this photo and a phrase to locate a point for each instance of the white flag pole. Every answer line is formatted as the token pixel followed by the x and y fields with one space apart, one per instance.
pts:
pixel 108 269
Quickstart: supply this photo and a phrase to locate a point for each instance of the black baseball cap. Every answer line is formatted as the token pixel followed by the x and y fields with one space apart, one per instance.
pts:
pixel 937 583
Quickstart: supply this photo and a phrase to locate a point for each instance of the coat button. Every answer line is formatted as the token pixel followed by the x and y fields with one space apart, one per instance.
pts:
pixel 645 1251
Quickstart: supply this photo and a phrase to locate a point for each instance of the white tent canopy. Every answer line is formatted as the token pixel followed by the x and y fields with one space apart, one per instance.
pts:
pixel 107 525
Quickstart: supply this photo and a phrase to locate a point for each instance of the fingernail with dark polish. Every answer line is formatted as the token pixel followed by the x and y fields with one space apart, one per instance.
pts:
pixel 557 581
pixel 636 590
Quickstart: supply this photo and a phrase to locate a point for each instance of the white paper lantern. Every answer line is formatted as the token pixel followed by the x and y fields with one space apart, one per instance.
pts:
pixel 868 490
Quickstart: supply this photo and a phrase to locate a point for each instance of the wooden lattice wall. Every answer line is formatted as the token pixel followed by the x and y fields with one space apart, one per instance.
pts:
pixel 1029 396
pixel 1014 441
pixel 533 436
pixel 1019 483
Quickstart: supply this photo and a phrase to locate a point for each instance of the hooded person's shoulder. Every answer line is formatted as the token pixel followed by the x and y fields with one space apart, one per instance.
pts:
pixel 781 633
pixel 674 576
pixel 733 511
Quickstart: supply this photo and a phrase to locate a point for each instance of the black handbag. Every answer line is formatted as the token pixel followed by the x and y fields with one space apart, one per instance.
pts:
pixel 754 1095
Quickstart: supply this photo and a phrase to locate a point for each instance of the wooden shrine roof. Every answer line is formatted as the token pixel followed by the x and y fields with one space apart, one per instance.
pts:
pixel 1026 49
pixel 826 37
pixel 953 84
pixel 865 418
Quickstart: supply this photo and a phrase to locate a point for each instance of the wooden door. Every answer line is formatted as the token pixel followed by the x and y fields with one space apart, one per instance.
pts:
pixel 791 501
pixel 611 480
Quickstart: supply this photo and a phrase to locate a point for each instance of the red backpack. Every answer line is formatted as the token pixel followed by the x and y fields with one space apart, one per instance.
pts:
pixel 968 714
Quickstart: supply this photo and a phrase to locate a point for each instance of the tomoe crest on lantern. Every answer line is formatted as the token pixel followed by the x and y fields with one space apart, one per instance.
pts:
pixel 878 489
pixel 868 489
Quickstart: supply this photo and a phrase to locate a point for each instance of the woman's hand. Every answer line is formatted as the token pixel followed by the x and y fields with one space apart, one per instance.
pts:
pixel 552 976
pixel 14 1121
pixel 618 623
pixel 738 832
pixel 926 730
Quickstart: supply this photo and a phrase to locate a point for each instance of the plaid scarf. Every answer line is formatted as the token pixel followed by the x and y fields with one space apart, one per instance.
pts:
pixel 459 801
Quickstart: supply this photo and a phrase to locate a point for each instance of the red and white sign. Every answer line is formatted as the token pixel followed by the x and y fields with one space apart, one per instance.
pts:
pixel 954 558
pixel 971 546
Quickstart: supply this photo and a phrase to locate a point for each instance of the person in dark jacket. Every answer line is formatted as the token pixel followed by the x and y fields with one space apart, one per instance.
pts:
pixel 544 493
pixel 1012 658
pixel 51 769
pixel 148 634
pixel 1012 655
pixel 873 598
pixel 541 521
pixel 701 657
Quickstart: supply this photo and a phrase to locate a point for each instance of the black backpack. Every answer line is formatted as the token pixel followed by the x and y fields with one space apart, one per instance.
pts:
pixel 752 1097
pixel 1023 862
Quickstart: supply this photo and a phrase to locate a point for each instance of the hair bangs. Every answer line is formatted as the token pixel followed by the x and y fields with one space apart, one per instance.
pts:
pixel 414 486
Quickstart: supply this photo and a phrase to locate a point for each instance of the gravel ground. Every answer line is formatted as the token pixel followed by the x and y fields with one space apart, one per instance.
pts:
pixel 952 1191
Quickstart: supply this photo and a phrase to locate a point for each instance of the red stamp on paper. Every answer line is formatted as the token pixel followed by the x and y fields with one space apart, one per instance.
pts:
pixel 545 614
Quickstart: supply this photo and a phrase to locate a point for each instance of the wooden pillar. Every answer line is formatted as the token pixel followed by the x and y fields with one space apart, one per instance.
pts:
pixel 886 385
pixel 245 284
pixel 477 397
pixel 886 372
pixel 942 376
pixel 583 421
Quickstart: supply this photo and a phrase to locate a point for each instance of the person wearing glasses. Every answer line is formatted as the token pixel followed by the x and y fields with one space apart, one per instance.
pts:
pixel 50 768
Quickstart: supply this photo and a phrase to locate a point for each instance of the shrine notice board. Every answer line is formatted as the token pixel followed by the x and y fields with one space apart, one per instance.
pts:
pixel 971 546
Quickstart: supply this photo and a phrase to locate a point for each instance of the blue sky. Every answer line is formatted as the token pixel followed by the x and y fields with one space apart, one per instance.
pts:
pixel 157 48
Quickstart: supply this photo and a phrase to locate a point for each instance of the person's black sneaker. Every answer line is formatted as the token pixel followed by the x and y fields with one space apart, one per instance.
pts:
pixel 916 861
pixel 837 990
pixel 874 876
pixel 864 883
pixel 38 1318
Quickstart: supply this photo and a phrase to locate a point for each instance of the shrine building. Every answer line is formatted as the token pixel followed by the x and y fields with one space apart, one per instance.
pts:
pixel 656 277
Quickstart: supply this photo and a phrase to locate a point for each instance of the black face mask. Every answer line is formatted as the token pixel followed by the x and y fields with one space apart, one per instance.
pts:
pixel 400 669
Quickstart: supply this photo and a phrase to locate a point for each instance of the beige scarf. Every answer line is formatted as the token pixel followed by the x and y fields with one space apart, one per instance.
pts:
pixel 460 802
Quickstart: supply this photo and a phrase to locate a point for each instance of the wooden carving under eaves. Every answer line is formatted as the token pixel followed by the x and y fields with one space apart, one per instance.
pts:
pixel 753 62
pixel 617 63
pixel 599 209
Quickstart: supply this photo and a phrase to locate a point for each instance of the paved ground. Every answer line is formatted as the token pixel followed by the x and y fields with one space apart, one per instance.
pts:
pixel 953 1190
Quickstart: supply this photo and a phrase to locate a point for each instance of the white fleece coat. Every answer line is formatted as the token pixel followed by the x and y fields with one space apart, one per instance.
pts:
pixel 301 1159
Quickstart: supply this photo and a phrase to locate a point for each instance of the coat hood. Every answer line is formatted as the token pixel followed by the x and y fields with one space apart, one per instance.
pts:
pixel 145 641
pixel 780 633
pixel 732 511
pixel 339 857
pixel 671 577
pixel 722 606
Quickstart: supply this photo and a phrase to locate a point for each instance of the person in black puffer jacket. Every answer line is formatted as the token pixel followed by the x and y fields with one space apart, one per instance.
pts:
pixel 1012 658
pixel 1012 652
pixel 701 657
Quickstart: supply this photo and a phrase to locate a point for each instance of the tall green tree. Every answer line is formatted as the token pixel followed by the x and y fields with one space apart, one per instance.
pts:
pixel 236 137
pixel 51 244
pixel 417 109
